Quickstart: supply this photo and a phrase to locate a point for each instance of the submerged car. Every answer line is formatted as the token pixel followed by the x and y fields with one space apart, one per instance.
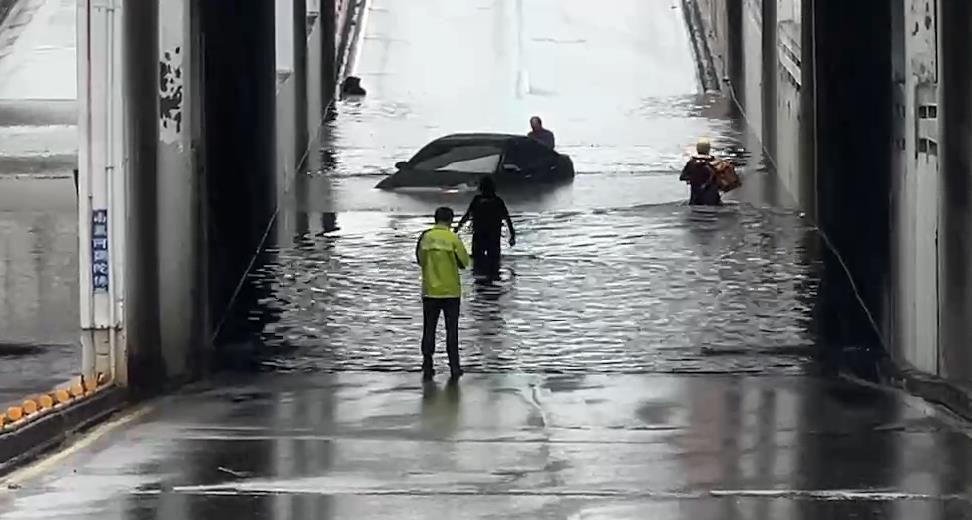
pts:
pixel 459 161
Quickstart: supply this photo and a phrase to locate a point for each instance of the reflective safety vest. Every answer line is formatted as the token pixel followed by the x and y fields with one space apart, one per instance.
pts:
pixel 441 254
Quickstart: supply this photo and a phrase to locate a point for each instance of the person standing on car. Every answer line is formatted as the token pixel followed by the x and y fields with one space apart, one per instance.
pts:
pixel 539 133
pixel 488 212
pixel 700 174
pixel 441 255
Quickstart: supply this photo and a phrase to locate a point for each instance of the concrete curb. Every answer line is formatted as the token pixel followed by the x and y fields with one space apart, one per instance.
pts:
pixel 934 389
pixel 25 444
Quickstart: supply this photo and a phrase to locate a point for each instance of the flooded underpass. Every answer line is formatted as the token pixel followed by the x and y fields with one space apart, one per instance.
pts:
pixel 611 273
pixel 639 358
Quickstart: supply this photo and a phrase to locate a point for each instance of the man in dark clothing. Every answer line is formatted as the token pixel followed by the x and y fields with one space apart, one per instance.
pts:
pixel 700 174
pixel 488 212
pixel 539 133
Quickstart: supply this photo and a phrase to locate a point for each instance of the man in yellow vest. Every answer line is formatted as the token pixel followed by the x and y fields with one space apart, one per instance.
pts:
pixel 441 254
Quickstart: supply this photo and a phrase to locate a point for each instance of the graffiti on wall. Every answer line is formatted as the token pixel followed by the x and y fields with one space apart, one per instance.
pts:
pixel 923 47
pixel 171 93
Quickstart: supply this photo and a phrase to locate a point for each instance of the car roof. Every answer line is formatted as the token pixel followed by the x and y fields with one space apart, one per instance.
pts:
pixel 484 138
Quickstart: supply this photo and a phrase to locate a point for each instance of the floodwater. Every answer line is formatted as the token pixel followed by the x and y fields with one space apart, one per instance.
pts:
pixel 611 273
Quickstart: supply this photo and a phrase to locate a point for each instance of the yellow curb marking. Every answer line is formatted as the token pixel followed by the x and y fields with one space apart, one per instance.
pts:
pixel 62 396
pixel 15 413
pixel 30 407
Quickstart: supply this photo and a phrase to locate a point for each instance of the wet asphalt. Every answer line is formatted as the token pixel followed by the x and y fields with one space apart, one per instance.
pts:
pixel 514 446
pixel 639 358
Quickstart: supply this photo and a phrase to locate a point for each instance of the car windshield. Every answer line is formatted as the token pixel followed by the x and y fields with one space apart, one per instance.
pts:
pixel 463 158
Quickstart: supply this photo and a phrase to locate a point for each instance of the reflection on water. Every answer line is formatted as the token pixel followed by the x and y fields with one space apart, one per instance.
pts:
pixel 663 287
pixel 610 273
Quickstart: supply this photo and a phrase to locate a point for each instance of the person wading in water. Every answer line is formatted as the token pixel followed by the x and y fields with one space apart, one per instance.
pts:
pixel 700 174
pixel 441 255
pixel 488 212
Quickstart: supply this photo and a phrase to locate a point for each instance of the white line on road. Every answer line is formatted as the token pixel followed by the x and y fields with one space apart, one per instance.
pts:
pixel 17 478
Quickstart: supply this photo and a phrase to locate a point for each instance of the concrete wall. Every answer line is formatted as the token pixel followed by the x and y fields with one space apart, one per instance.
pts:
pixel 207 86
pixel 312 45
pixel 955 239
pixel 868 118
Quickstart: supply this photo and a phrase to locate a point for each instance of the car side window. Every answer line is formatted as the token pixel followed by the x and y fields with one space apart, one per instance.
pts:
pixel 464 158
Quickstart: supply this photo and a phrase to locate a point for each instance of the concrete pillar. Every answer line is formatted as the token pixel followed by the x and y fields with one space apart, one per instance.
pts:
pixel 102 192
pixel 240 135
pixel 329 63
pixel 735 61
pixel 808 125
pixel 301 135
pixel 955 235
pixel 852 66
pixel 146 366
pixel 182 298
pixel 770 55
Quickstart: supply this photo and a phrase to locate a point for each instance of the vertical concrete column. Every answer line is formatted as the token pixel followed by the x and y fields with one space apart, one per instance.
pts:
pixel 735 61
pixel 955 234
pixel 917 265
pixel 179 217
pixel 902 248
pixel 770 73
pixel 314 89
pixel 239 98
pixel 300 77
pixel 852 65
pixel 808 122
pixel 102 187
pixel 329 64
pixel 308 103
pixel 146 367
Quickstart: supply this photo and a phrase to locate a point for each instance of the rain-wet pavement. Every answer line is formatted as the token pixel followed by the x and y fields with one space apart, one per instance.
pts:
pixel 357 445
pixel 38 212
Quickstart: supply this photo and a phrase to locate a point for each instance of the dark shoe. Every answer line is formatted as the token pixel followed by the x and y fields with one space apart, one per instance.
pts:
pixel 456 374
pixel 428 375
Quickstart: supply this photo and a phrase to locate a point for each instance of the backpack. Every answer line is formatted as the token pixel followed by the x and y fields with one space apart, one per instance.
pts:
pixel 725 175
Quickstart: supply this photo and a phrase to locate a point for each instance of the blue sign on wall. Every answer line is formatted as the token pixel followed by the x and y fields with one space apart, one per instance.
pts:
pixel 99 250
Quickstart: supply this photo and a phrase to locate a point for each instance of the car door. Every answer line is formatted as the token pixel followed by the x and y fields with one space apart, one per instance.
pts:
pixel 529 161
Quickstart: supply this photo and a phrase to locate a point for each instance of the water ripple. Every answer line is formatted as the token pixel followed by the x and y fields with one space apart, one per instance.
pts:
pixel 653 288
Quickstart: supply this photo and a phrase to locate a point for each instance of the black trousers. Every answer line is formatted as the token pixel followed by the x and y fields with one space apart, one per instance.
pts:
pixel 431 308
pixel 486 254
pixel 708 196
